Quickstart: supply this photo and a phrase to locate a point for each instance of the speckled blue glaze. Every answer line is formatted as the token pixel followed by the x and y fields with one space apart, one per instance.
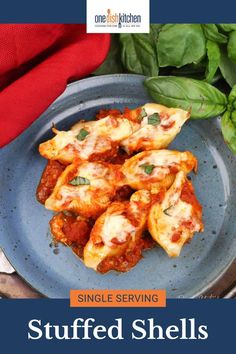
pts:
pixel 24 230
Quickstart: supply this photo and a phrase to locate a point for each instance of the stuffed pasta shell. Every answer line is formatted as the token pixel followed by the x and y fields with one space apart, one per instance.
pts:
pixel 159 126
pixel 116 233
pixel 85 188
pixel 88 140
pixel 157 168
pixel 173 221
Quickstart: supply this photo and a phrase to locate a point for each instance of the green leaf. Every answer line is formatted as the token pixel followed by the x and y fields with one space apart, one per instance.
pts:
pixel 79 181
pixel 231 47
pixel 142 114
pixel 211 32
pixel 112 63
pixel 180 44
pixel 82 134
pixel 227 68
pixel 228 127
pixel 165 211
pixel 154 119
pixel 232 97
pixel 213 54
pixel 155 29
pixel 201 98
pixel 227 27
pixel 147 168
pixel 139 54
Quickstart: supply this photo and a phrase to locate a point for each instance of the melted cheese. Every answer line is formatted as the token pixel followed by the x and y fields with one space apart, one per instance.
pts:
pixel 88 200
pixel 158 136
pixel 163 162
pixel 113 230
pixel 117 227
pixel 116 128
pixel 103 134
pixel 168 219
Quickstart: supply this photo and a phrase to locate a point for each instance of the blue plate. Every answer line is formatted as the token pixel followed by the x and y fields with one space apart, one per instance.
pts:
pixel 24 229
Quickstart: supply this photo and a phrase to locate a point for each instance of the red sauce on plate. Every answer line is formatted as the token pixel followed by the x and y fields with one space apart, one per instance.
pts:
pixel 48 180
pixel 71 230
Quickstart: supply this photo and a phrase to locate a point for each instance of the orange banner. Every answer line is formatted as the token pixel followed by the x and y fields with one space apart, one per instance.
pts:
pixel 117 298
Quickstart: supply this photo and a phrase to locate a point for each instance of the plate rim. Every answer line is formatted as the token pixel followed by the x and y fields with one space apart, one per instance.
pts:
pixel 4 150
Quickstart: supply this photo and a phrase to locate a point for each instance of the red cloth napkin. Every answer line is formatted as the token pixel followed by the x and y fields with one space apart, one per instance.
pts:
pixel 36 63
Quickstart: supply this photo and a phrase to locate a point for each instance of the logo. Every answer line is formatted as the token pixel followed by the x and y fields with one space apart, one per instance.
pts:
pixel 117 16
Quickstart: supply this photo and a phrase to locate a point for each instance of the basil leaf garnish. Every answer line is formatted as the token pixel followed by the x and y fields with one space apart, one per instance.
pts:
pixel 79 181
pixel 147 168
pixel 154 119
pixel 166 210
pixel 142 114
pixel 82 134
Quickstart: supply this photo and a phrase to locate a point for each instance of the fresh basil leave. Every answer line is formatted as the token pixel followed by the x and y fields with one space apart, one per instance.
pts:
pixel 180 44
pixel 232 98
pixel 147 168
pixel 228 127
pixel 142 114
pixel 227 68
pixel 211 32
pixel 201 98
pixel 165 211
pixel 231 47
pixel 155 29
pixel 227 27
pixel 213 54
pixel 154 119
pixel 139 54
pixel 82 134
pixel 79 181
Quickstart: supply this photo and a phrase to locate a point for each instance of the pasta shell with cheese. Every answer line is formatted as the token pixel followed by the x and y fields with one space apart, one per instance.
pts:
pixel 88 140
pixel 173 221
pixel 159 126
pixel 85 188
pixel 157 168
pixel 116 231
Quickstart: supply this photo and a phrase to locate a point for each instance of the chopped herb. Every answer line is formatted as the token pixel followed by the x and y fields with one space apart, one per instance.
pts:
pixel 78 181
pixel 154 119
pixel 147 168
pixel 142 114
pixel 82 134
pixel 166 210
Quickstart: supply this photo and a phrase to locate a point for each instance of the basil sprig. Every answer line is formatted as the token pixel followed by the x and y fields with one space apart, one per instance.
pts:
pixel 79 181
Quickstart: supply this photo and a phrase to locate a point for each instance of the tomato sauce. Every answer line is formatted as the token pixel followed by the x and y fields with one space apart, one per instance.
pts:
pixel 128 259
pixel 107 155
pixel 124 193
pixel 119 158
pixel 176 236
pixel 188 196
pixel 48 180
pixel 106 112
pixel 132 114
pixel 72 231
pixel 158 198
